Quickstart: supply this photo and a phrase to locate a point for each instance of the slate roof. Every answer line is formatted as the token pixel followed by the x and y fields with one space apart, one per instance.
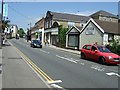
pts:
pixel 108 27
pixel 76 27
pixel 103 13
pixel 69 17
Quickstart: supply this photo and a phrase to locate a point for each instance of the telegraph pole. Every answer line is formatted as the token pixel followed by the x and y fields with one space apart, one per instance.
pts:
pixel 1 18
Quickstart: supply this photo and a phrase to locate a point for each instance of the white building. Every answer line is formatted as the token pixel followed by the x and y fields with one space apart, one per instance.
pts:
pixel 11 31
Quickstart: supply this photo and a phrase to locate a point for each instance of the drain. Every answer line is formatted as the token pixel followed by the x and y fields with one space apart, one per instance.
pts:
pixel 14 58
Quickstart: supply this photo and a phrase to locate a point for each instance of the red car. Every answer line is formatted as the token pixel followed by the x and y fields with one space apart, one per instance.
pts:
pixel 100 54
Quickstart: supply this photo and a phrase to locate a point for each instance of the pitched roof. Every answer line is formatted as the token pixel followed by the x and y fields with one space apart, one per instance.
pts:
pixel 76 27
pixel 103 13
pixel 69 17
pixel 108 27
pixel 104 26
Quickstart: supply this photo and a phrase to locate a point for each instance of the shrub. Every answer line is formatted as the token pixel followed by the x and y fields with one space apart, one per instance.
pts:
pixel 115 46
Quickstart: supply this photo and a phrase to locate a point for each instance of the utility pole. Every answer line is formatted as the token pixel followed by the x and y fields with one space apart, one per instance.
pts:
pixel 29 31
pixel 1 18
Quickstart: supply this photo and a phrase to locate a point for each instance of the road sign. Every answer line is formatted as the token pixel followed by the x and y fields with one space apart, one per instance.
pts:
pixel 5 10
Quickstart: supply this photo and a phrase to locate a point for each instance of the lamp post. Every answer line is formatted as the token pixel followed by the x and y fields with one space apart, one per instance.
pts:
pixel 1 18
pixel 29 32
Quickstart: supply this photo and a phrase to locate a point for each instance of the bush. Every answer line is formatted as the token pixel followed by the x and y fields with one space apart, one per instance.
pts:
pixel 115 46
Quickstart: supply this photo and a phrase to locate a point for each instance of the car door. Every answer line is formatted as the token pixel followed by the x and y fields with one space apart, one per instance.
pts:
pixel 93 54
pixel 87 51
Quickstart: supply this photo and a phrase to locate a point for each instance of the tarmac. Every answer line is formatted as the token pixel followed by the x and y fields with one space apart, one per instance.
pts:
pixel 16 73
pixel 66 50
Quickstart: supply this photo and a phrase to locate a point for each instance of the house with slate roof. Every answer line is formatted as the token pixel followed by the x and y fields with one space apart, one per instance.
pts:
pixel 104 16
pixel 94 31
pixel 54 19
pixel 97 29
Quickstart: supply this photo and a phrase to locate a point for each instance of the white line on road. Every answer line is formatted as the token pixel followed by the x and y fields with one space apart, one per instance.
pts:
pixel 56 86
pixel 98 68
pixel 66 59
pixel 112 73
pixel 44 51
pixel 82 63
pixel 56 81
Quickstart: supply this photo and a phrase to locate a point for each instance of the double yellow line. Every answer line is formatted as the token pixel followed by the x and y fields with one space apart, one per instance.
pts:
pixel 36 68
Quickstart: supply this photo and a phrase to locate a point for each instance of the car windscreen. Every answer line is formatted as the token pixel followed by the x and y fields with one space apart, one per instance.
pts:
pixel 36 41
pixel 103 49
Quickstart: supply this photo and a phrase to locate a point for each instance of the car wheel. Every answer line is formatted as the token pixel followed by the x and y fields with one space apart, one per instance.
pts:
pixel 82 56
pixel 41 46
pixel 33 46
pixel 102 61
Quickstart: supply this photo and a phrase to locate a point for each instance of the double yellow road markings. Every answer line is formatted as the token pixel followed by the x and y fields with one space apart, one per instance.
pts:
pixel 36 68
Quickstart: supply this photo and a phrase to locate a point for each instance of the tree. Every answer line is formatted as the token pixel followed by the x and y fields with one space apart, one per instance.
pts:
pixel 62 36
pixel 21 32
pixel 5 24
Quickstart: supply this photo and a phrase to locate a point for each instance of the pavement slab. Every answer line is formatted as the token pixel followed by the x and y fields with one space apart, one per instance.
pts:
pixel 17 73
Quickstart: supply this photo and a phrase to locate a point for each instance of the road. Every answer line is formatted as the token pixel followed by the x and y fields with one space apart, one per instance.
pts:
pixel 68 68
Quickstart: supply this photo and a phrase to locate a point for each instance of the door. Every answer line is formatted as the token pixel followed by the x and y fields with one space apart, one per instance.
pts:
pixel 93 54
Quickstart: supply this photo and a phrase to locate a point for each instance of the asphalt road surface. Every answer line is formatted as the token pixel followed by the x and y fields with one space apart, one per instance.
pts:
pixel 68 68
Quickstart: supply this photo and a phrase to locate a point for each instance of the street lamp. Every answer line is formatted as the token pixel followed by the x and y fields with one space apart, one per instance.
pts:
pixel 1 18
pixel 29 32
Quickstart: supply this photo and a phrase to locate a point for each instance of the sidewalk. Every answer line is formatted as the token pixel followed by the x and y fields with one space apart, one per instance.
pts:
pixel 66 50
pixel 16 73
pixel 0 69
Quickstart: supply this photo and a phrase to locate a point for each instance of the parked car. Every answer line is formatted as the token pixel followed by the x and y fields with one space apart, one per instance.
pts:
pixel 100 54
pixel 36 43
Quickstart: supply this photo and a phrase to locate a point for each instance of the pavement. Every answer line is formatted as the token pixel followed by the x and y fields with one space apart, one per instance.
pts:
pixel 0 69
pixel 16 73
pixel 66 50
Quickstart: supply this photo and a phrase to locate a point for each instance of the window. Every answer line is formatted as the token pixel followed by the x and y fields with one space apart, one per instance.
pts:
pixel 90 30
pixel 110 37
pixel 93 48
pixel 104 18
pixel 88 47
pixel 110 19
pixel 70 24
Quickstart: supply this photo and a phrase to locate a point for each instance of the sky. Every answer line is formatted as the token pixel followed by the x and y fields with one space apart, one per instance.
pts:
pixel 24 13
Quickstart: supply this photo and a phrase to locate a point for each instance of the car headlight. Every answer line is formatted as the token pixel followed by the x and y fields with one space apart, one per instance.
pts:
pixel 110 58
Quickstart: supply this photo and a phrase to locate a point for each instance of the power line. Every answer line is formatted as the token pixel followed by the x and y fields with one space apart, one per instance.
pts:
pixel 19 13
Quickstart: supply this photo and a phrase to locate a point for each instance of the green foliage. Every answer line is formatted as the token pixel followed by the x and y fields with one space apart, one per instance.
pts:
pixel 62 36
pixel 5 24
pixel 21 32
pixel 115 46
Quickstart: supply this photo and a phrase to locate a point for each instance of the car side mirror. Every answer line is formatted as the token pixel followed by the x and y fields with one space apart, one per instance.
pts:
pixel 96 51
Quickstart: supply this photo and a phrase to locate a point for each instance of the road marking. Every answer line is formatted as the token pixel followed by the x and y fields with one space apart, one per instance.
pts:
pixel 82 63
pixel 56 86
pixel 56 81
pixel 112 73
pixel 66 59
pixel 37 69
pixel 44 51
pixel 98 68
